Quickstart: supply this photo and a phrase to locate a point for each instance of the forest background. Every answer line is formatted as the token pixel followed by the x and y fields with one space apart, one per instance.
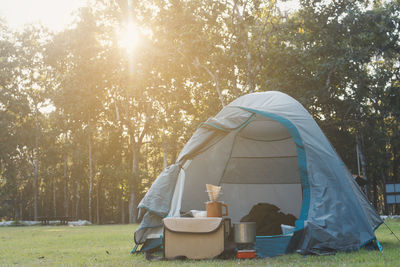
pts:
pixel 90 115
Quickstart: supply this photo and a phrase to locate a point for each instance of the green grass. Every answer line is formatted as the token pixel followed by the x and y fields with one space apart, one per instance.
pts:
pixel 110 245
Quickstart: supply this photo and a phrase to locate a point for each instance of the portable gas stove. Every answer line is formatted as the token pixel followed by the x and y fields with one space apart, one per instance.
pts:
pixel 246 251
pixel 245 237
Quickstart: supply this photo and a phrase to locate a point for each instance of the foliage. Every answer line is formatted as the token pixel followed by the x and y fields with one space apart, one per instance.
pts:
pixel 86 124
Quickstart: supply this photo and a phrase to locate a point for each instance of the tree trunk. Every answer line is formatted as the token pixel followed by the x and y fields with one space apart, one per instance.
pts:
pixel 375 193
pixel 36 168
pixel 54 196
pixel 21 215
pixel 132 184
pixel 165 163
pixel 16 213
pixel 66 205
pixel 98 203
pixel 215 78
pixel 396 160
pixel 122 210
pixel 173 150
pixel 362 158
pixel 78 197
pixel 147 171
pixel 90 178
pixel 132 207
pixel 364 169
pixel 385 206
pixel 363 164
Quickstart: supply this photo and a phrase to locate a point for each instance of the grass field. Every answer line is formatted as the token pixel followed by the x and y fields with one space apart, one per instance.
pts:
pixel 109 245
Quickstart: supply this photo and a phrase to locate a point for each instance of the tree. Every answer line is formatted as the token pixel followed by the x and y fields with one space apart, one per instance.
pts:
pixel 82 83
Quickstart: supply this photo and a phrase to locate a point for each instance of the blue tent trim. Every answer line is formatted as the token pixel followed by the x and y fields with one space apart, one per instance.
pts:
pixel 301 161
pixel 371 246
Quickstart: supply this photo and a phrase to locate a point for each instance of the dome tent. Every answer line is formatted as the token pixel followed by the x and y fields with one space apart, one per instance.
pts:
pixel 265 147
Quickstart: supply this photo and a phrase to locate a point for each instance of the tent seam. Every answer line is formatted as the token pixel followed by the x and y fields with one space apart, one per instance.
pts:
pixel 238 129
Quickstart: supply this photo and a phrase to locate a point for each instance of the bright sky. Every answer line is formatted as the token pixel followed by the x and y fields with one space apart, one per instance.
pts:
pixel 289 5
pixel 54 14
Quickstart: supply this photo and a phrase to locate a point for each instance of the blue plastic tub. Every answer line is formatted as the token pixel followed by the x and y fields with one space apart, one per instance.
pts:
pixel 271 246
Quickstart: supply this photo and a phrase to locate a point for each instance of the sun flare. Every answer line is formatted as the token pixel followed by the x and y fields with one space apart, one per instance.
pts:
pixel 129 37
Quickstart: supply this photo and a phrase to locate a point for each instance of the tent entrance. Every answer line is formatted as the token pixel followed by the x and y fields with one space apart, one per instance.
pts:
pixel 254 164
pixel 262 167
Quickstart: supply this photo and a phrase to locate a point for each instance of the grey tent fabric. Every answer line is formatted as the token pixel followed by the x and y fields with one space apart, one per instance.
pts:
pixel 158 198
pixel 156 203
pixel 201 141
pixel 150 222
pixel 213 130
pixel 276 136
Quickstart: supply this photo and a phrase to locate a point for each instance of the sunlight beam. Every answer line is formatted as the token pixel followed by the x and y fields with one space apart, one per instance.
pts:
pixel 129 37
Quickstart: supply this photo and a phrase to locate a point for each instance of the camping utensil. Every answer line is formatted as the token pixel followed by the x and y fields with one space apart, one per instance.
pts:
pixel 198 213
pixel 245 232
pixel 214 209
pixel 213 192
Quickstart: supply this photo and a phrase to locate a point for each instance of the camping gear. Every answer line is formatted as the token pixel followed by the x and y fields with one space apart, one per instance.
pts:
pixel 245 232
pixel 246 254
pixel 198 213
pixel 287 229
pixel 271 246
pixel 245 237
pixel 214 209
pixel 194 238
pixel 213 192
pixel 268 219
pixel 266 147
